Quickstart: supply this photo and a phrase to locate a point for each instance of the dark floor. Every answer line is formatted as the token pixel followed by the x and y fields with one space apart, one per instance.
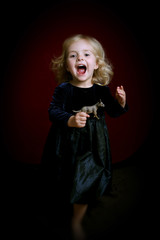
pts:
pixel 127 212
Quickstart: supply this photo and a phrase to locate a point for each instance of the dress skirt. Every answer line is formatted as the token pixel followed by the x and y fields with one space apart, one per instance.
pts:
pixel 81 161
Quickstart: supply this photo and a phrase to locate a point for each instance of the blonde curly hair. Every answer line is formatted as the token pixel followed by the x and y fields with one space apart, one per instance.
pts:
pixel 101 76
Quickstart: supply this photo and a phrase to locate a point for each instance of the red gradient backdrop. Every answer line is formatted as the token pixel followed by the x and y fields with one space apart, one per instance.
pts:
pixel 29 82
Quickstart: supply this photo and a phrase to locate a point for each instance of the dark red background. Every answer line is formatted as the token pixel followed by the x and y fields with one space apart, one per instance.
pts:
pixel 29 82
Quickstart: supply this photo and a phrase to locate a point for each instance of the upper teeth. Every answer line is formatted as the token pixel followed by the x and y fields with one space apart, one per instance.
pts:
pixel 81 65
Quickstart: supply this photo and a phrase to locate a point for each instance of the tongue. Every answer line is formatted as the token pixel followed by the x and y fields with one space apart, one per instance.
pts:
pixel 81 70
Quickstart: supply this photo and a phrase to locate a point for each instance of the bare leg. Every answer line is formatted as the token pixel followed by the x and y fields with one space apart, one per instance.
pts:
pixel 79 211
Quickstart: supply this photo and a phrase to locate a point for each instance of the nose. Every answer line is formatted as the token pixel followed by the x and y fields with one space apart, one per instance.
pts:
pixel 79 58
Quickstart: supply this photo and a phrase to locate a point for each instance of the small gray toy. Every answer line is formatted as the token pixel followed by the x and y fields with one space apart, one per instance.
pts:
pixel 91 109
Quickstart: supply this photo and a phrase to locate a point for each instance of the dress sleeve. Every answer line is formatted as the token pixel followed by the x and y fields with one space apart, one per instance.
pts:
pixel 112 107
pixel 57 109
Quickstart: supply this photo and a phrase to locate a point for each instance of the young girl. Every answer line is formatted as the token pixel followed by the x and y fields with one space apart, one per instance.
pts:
pixel 77 150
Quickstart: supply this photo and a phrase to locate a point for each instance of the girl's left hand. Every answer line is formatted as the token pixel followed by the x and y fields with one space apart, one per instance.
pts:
pixel 121 96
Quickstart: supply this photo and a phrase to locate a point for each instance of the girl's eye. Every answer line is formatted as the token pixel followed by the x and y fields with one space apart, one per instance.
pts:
pixel 87 54
pixel 72 55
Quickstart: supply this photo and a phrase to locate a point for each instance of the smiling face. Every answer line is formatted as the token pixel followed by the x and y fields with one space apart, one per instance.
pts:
pixel 81 63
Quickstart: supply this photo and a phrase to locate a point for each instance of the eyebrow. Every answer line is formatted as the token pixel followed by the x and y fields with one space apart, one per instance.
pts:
pixel 84 50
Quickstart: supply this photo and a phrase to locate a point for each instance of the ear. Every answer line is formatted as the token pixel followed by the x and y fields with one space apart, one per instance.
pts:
pixel 96 66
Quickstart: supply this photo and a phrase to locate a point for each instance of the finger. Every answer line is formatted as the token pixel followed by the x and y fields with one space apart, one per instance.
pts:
pixel 81 124
pixel 121 93
pixel 120 88
pixel 121 96
pixel 80 115
pixel 83 119
pixel 84 114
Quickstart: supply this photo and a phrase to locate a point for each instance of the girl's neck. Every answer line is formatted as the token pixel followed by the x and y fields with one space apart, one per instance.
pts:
pixel 81 84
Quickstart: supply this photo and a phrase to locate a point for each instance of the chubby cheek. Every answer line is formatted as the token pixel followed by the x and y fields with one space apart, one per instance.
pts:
pixel 93 65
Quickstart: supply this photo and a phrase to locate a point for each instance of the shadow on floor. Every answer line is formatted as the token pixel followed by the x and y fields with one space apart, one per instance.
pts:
pixel 126 212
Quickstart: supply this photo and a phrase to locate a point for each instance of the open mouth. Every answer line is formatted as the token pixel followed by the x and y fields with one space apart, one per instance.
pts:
pixel 81 69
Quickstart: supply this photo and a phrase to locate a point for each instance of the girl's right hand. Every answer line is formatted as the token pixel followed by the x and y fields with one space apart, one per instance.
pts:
pixel 78 120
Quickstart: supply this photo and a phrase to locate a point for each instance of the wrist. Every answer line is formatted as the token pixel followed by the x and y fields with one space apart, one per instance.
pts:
pixel 123 104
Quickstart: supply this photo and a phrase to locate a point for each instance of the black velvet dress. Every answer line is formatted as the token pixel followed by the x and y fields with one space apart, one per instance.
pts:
pixel 78 160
